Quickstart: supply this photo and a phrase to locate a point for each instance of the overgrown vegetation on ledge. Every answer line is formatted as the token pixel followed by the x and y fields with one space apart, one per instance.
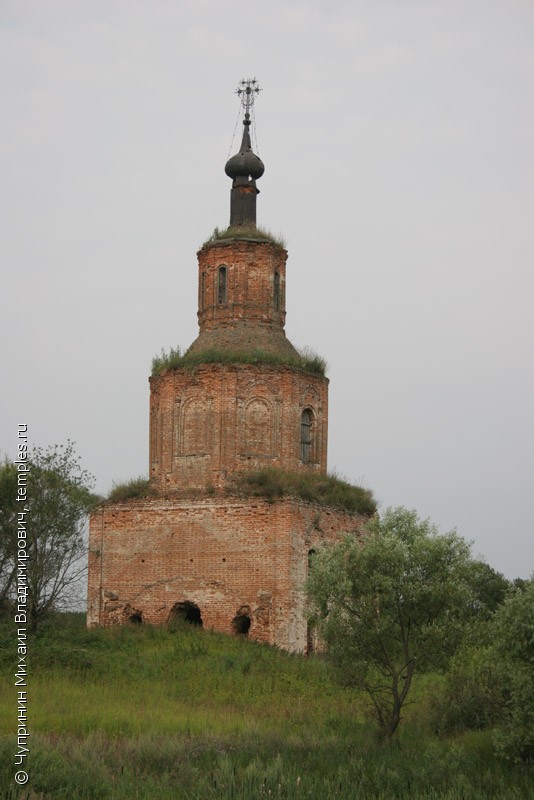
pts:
pixel 135 488
pixel 307 360
pixel 245 232
pixel 272 483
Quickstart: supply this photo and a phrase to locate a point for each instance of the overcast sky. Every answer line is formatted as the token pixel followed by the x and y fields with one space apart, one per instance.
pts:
pixel 398 140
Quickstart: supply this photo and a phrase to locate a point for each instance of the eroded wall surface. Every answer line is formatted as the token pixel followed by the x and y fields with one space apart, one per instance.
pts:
pixel 229 557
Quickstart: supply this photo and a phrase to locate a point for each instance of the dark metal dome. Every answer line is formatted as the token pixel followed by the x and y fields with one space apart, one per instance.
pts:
pixel 245 163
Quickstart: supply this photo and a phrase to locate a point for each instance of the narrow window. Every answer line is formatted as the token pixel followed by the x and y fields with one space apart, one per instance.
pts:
pixel 276 290
pixel 202 290
pixel 306 436
pixel 221 286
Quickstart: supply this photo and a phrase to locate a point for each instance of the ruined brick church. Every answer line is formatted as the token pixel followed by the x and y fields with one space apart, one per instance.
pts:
pixel 240 400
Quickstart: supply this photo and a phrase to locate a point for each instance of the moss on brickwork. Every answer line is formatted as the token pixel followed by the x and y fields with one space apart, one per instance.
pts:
pixel 247 232
pixel 135 488
pixel 272 483
pixel 306 360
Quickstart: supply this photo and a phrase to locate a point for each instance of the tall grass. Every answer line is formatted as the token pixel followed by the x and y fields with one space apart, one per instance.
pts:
pixel 143 713
pixel 153 766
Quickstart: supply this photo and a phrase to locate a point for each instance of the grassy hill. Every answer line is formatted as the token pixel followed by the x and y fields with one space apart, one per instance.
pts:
pixel 138 712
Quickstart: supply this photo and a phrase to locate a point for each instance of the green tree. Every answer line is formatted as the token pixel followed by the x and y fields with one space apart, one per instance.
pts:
pixel 59 498
pixel 491 588
pixel 391 605
pixel 489 684
pixel 8 540
pixel 513 651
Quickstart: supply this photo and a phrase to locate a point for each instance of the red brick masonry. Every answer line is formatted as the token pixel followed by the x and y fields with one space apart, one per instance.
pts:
pixel 192 546
pixel 218 419
pixel 228 556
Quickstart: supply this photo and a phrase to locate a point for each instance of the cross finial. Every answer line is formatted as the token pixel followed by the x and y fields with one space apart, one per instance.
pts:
pixel 246 91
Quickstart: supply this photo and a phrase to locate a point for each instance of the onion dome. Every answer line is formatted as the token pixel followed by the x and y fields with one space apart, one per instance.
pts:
pixel 245 164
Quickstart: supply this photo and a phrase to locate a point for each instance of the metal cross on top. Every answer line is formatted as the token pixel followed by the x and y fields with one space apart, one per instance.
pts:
pixel 246 91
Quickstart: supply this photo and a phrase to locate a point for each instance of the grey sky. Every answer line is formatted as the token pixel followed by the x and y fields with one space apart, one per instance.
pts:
pixel 398 144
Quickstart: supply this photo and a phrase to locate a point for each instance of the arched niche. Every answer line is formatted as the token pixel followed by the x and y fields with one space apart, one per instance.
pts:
pixel 242 621
pixel 185 611
pixel 258 427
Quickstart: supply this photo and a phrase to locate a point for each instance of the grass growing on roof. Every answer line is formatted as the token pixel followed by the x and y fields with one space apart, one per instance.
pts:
pixel 135 488
pixel 273 483
pixel 307 360
pixel 245 232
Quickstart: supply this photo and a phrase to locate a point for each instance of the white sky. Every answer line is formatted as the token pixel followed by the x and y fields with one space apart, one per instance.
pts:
pixel 398 143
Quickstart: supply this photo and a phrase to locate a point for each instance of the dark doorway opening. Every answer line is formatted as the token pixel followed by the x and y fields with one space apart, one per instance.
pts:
pixel 135 619
pixel 186 612
pixel 241 624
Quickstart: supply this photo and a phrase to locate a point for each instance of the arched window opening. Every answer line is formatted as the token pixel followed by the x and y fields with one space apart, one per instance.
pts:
pixel 135 619
pixel 241 624
pixel 203 290
pixel 276 290
pixel 186 612
pixel 306 423
pixel 221 286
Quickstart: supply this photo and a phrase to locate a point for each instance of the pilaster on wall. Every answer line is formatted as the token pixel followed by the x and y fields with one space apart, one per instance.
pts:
pixel 208 423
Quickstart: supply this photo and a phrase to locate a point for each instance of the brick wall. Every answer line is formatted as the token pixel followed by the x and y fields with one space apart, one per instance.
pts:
pixel 228 556
pixel 248 313
pixel 214 420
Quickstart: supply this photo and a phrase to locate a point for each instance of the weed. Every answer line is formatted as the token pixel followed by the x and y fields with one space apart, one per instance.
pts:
pixel 307 360
pixel 247 232
pixel 330 490
pixel 135 488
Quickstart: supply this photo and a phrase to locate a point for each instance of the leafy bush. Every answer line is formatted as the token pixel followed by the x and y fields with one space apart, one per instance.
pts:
pixel 330 490
pixel 137 487
pixel 513 632
pixel 307 360
pixel 473 696
pixel 490 681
